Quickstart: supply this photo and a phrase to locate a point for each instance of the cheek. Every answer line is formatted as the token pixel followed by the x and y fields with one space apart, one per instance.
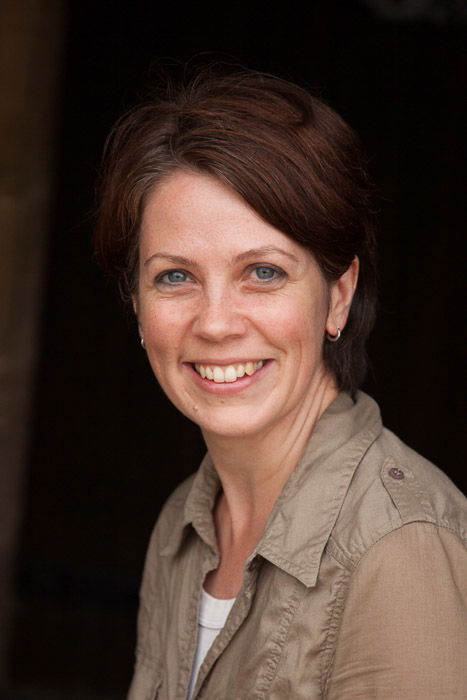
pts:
pixel 162 329
pixel 301 322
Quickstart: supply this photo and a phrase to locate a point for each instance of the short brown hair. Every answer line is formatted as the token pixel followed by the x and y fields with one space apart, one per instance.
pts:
pixel 286 153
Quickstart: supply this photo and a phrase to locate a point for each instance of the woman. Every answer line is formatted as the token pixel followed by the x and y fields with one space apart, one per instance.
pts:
pixel 313 554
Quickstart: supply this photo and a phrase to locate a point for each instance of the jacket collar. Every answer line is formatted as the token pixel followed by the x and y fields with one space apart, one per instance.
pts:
pixel 302 519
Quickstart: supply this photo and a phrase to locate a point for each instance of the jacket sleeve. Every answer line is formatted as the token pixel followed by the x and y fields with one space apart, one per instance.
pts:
pixel 154 594
pixel 403 632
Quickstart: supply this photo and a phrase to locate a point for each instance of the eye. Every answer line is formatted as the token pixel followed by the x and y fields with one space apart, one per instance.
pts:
pixel 173 277
pixel 267 273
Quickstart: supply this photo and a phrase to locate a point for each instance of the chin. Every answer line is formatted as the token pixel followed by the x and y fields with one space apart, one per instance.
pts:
pixel 230 424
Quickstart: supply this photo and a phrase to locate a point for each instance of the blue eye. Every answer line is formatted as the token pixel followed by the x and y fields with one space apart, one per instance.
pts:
pixel 266 273
pixel 174 277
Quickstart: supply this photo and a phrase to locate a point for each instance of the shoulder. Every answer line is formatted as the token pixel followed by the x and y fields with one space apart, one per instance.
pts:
pixel 404 622
pixel 401 536
pixel 170 523
pixel 172 510
pixel 392 487
pixel 171 518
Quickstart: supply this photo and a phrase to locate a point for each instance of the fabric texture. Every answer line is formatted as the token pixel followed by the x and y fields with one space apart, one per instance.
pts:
pixel 213 613
pixel 357 589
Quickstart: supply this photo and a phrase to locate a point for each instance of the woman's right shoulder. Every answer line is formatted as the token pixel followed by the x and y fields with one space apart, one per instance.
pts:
pixel 178 496
pixel 167 530
pixel 171 515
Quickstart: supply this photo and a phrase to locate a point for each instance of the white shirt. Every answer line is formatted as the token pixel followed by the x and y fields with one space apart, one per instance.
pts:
pixel 213 613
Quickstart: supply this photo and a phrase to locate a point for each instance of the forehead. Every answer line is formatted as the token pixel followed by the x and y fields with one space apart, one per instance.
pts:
pixel 195 210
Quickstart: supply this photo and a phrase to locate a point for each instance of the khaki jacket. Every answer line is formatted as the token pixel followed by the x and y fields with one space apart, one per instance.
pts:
pixel 358 588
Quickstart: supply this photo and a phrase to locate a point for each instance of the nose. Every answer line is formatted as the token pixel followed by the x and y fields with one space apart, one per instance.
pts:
pixel 219 316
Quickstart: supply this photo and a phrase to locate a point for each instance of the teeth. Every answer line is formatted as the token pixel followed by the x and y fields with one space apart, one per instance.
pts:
pixel 218 375
pixel 228 374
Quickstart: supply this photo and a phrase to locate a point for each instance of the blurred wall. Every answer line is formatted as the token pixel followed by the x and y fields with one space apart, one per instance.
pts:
pixel 30 42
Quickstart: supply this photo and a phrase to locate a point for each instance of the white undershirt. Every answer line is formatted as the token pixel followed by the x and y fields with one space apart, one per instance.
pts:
pixel 212 617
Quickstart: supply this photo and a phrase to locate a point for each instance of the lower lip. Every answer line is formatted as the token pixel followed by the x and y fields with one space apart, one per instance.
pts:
pixel 227 388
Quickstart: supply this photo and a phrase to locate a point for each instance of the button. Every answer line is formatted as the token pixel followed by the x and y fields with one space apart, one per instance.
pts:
pixel 396 473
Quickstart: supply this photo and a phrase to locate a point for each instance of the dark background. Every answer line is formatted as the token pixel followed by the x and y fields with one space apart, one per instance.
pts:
pixel 107 447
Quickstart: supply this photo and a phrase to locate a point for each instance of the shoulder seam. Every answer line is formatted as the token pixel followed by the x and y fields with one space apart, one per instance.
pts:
pixel 350 562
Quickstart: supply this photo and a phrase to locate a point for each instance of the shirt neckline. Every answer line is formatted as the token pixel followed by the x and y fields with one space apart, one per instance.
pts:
pixel 213 612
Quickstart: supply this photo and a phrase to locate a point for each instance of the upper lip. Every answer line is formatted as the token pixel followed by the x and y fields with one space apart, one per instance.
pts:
pixel 226 363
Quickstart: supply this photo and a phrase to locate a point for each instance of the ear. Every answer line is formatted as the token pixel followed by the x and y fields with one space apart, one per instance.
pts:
pixel 342 291
pixel 134 301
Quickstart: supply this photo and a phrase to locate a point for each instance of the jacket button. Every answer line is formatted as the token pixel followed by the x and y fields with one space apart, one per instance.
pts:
pixel 396 473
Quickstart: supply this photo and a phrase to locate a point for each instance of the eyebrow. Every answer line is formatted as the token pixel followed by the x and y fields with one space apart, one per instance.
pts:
pixel 252 253
pixel 264 250
pixel 175 259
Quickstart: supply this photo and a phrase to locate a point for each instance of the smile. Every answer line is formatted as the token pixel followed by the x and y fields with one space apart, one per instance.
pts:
pixel 228 374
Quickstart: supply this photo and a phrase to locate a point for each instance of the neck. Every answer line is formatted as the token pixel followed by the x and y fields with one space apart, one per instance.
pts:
pixel 253 469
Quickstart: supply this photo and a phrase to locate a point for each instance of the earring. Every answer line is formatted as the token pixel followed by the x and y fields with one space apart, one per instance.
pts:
pixel 142 343
pixel 334 338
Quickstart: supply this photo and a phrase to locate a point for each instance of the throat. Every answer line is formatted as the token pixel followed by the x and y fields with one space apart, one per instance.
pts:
pixel 237 538
pixel 225 582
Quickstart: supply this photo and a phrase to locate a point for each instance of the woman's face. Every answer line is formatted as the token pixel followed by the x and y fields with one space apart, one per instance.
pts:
pixel 232 311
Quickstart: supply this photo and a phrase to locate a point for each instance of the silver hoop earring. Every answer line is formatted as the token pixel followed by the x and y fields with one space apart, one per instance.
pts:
pixel 142 343
pixel 334 338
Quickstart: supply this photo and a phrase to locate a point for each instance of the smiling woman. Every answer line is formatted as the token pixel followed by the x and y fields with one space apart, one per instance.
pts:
pixel 237 214
pixel 248 301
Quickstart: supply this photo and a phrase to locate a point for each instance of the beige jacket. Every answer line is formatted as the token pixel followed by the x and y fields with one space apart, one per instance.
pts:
pixel 358 588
